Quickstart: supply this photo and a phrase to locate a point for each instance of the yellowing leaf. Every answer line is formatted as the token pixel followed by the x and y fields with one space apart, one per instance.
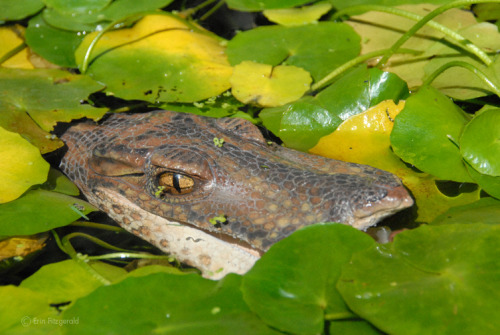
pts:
pixel 298 16
pixel 21 246
pixel 365 139
pixel 21 166
pixel 268 86
pixel 12 37
pixel 160 59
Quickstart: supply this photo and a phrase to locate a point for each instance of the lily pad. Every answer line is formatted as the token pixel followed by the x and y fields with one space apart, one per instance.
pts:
pixel 21 166
pixel 425 283
pixel 38 211
pixel 302 123
pixel 160 59
pixel 485 210
pixel 77 7
pixel 298 16
pixel 380 30
pixel 67 280
pixel 257 5
pixel 49 96
pixel 480 143
pixel 18 121
pixel 317 48
pixel 295 279
pixel 183 304
pixel 268 86
pixel 55 45
pixel 424 134
pixel 21 306
pixel 489 184
pixel 17 10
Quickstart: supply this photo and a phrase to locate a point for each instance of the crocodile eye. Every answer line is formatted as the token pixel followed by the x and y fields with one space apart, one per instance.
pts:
pixel 175 183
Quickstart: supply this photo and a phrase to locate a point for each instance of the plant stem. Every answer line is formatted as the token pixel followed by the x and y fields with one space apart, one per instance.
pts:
pixel 480 74
pixel 98 226
pixel 353 62
pixel 453 36
pixel 212 10
pixel 468 45
pixel 12 52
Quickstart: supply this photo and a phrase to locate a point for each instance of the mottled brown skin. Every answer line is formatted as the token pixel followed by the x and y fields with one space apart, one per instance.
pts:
pixel 263 191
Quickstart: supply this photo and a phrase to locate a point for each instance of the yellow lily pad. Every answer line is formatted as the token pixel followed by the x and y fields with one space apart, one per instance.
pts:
pixel 160 59
pixel 298 16
pixel 12 37
pixel 365 139
pixel 21 166
pixel 269 86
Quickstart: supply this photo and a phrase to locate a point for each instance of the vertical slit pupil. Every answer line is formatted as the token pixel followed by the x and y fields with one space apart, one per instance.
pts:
pixel 176 178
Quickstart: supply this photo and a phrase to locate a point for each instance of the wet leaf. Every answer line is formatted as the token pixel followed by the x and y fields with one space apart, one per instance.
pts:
pixel 12 37
pixel 183 304
pixel 328 45
pixel 295 279
pixel 49 96
pixel 67 280
pixel 451 289
pixel 480 143
pixel 77 7
pixel 353 327
pixel 256 5
pixel 21 166
pixel 55 45
pixel 298 16
pixel 58 182
pixel 485 210
pixel 19 9
pixel 38 211
pixel 268 86
pixel 302 123
pixel 364 139
pixel 424 134
pixel 160 59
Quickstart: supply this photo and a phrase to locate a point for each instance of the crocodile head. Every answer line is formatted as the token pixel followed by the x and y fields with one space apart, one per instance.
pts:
pixel 219 177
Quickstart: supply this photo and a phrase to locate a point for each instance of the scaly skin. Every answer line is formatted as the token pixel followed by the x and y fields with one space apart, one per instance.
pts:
pixel 263 192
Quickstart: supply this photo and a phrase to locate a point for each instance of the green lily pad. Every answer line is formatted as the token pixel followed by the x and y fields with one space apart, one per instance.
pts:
pixel 301 124
pixel 161 59
pixel 77 7
pixel 295 279
pixel 485 210
pixel 21 166
pixel 480 143
pixel 489 184
pixel 298 16
pixel 55 45
pixel 67 280
pixel 96 19
pixel 268 86
pixel 424 134
pixel 21 307
pixel 38 211
pixel 427 282
pixel 328 45
pixel 17 10
pixel 49 96
pixel 353 327
pixel 257 5
pixel 183 304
